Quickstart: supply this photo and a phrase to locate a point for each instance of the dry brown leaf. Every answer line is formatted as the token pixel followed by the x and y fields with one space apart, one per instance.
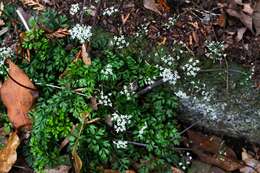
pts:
pixel 176 170
pixel 211 150
pixel 17 98
pixel 253 166
pixel 60 33
pixel 195 37
pixel 256 17
pixel 93 103
pixel 84 55
pixel 8 155
pixel 152 5
pixel 58 169
pixel 125 18
pixel 248 9
pixel 35 4
pixel 221 21
pixel 244 18
pixel 2 23
pixel 240 33
pixel 77 163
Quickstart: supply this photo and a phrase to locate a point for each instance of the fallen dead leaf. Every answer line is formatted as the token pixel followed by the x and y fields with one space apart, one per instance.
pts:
pixel 252 165
pixel 256 17
pixel 84 55
pixel 58 169
pixel 248 9
pixel 60 33
pixel 8 155
pixel 1 8
pixel 244 18
pixel 176 170
pixel 211 150
pixel 195 37
pixel 93 103
pixel 152 5
pixel 77 163
pixel 35 4
pixel 240 33
pixel 18 99
pixel 124 18
pixel 221 21
pixel 2 23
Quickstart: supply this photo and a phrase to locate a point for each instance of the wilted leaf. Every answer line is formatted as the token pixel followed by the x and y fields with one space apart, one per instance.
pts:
pixel 18 99
pixel 253 166
pixel 84 55
pixel 35 4
pixel 77 163
pixel 2 23
pixel 244 18
pixel 256 17
pixel 176 170
pixel 1 8
pixel 58 169
pixel 211 150
pixel 152 5
pixel 8 155
pixel 240 33
pixel 60 33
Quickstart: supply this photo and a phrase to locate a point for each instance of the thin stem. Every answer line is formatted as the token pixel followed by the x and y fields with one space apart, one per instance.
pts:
pixel 150 87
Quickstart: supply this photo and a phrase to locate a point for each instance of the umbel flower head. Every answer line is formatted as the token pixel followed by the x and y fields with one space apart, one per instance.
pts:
pixel 81 33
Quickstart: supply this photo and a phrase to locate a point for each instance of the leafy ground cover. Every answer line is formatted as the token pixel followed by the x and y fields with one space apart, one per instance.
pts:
pixel 108 76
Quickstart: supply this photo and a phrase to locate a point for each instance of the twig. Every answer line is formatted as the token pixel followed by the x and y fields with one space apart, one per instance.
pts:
pixel 23 20
pixel 227 76
pixel 82 12
pixel 150 87
pixel 58 87
pixel 95 17
pixel 192 125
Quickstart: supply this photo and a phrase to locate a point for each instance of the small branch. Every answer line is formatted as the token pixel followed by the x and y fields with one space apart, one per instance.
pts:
pixel 150 87
pixel 23 20
pixel 82 12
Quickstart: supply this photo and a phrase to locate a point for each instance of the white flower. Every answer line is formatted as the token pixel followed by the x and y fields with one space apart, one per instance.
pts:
pixel 181 95
pixel 108 70
pixel 81 33
pixel 74 8
pixel 110 11
pixel 104 99
pixel 5 52
pixel 127 92
pixel 191 68
pixel 120 41
pixel 141 131
pixel 120 144
pixel 120 122
pixel 169 76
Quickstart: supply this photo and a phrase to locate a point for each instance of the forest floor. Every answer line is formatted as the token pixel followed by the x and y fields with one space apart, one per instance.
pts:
pixel 233 23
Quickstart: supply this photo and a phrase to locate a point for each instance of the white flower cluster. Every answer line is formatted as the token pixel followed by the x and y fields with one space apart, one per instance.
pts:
pixel 171 22
pixel 81 32
pixel 182 95
pixel 168 60
pixel 143 29
pixel 127 92
pixel 110 11
pixel 120 41
pixel 120 121
pixel 215 50
pixel 191 68
pixel 108 71
pixel 5 52
pixel 120 144
pixel 149 81
pixel 74 9
pixel 187 162
pixel 168 76
pixel 141 131
pixel 104 99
